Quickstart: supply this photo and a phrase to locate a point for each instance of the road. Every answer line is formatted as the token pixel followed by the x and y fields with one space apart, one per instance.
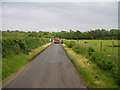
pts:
pixel 50 69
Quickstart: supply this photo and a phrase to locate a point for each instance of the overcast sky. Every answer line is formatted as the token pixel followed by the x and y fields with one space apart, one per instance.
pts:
pixel 57 16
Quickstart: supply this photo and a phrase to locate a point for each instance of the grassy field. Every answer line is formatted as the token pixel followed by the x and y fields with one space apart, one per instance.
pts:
pixel 93 76
pixel 106 47
pixel 13 63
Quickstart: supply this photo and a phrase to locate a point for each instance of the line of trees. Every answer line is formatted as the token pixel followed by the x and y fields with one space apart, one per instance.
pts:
pixel 93 34
pixel 17 33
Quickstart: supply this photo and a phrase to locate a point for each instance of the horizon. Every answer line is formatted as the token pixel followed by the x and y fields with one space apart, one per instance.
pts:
pixel 59 31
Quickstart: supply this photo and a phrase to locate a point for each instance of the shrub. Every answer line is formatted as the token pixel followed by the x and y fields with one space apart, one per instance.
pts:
pixel 115 72
pixel 102 62
pixel 23 47
pixel 13 46
pixel 70 44
pixel 106 64
pixel 90 51
pixel 77 49
pixel 62 41
pixel 65 42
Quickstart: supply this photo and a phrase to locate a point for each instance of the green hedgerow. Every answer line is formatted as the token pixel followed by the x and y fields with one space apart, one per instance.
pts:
pixel 14 46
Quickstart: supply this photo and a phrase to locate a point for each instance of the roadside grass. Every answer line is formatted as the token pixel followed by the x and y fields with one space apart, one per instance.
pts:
pixel 93 76
pixel 0 71
pixel 13 63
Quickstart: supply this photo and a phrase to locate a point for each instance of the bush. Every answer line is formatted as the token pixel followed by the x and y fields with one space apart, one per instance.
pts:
pixel 23 46
pixel 70 44
pixel 62 41
pixel 14 46
pixel 115 72
pixel 102 62
pixel 78 49
pixel 90 51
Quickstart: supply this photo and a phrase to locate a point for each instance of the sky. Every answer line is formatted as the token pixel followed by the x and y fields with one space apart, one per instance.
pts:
pixel 57 16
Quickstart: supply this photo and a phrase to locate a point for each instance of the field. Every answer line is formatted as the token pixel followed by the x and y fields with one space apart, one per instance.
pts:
pixel 107 49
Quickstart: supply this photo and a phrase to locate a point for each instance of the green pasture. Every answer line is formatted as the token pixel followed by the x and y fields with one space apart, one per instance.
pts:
pixel 107 47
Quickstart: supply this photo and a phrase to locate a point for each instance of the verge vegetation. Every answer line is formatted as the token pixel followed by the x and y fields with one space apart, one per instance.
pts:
pixel 18 52
pixel 98 70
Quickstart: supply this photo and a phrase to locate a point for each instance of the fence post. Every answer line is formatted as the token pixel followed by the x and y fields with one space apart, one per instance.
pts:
pixel 101 46
pixel 112 47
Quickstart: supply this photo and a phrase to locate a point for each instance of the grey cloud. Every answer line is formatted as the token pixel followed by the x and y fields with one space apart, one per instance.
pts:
pixel 60 15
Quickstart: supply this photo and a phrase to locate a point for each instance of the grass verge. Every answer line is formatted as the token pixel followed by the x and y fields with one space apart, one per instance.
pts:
pixel 13 63
pixel 93 76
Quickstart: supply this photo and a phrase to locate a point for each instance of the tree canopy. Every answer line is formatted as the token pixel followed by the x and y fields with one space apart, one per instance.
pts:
pixel 92 34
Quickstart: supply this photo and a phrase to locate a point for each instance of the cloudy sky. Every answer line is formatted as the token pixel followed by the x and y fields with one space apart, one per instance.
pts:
pixel 57 16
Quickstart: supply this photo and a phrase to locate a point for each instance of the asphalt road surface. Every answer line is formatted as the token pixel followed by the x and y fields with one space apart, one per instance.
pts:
pixel 50 69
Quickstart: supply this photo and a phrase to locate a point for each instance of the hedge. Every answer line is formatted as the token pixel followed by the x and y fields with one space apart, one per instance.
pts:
pixel 14 46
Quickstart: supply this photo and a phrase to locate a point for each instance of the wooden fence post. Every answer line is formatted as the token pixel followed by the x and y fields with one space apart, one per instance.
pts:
pixel 101 46
pixel 112 48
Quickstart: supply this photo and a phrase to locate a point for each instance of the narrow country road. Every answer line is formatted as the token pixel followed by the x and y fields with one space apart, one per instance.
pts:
pixel 50 69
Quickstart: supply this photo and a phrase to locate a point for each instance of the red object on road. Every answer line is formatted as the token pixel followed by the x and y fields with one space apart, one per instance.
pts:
pixel 56 41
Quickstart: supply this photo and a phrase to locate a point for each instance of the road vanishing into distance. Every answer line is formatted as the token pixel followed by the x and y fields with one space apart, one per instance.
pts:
pixel 50 69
